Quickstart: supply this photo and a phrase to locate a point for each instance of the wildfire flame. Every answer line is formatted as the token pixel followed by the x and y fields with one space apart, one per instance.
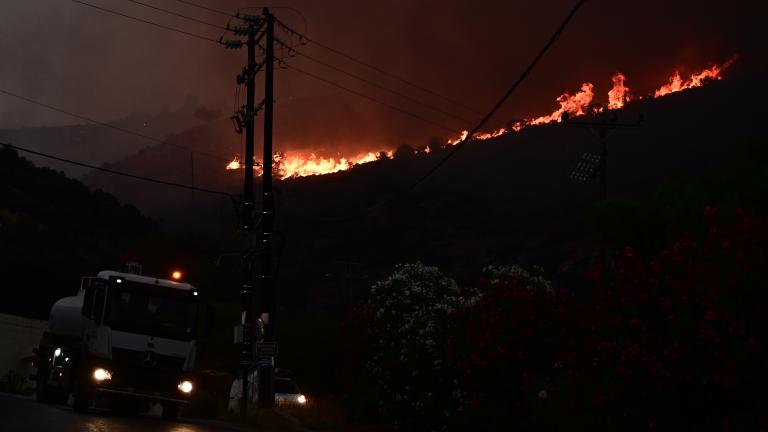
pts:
pixel 463 136
pixel 677 84
pixel 574 105
pixel 298 164
pixel 619 94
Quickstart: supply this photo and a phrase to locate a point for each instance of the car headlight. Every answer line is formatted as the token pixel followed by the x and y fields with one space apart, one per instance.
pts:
pixel 185 386
pixel 301 399
pixel 102 374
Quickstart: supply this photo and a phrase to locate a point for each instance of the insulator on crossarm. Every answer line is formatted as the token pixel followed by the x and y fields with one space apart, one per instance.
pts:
pixel 251 19
pixel 242 31
pixel 233 44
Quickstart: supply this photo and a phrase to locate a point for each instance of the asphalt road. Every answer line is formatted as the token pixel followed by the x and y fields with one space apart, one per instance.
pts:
pixel 20 414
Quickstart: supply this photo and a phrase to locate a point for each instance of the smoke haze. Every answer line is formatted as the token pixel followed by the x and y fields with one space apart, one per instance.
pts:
pixel 108 67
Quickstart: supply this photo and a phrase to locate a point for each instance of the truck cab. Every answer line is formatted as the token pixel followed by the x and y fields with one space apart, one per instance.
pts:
pixel 128 338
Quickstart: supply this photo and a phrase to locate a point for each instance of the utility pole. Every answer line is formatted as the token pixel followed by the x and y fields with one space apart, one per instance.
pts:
pixel 586 169
pixel 246 312
pixel 603 135
pixel 347 294
pixel 267 304
pixel 244 119
pixel 601 166
pixel 192 175
pixel 264 341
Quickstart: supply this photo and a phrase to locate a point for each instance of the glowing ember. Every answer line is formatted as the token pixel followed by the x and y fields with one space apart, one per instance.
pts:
pixel 298 164
pixel 235 164
pixel 619 94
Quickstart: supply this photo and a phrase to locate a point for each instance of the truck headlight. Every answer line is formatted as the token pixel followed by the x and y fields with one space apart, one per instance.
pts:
pixel 102 374
pixel 301 399
pixel 185 386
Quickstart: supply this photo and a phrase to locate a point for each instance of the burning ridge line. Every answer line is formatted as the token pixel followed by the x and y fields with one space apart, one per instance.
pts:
pixel 298 164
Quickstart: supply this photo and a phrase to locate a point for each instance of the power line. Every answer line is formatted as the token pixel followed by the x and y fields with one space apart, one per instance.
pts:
pixel 503 99
pixel 131 17
pixel 417 116
pixel 371 83
pixel 383 203
pixel 229 14
pixel 380 70
pixel 328 65
pixel 355 92
pixel 336 51
pixel 120 173
pixel 209 9
pixel 176 14
pixel 107 125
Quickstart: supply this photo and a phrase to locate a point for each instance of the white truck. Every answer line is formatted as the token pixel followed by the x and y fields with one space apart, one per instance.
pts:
pixel 124 338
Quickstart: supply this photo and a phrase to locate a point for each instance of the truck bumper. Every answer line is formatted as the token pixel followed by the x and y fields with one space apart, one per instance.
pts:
pixel 155 397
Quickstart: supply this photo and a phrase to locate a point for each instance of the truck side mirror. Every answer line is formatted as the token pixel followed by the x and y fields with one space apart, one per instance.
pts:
pixel 99 301
pixel 87 286
pixel 94 298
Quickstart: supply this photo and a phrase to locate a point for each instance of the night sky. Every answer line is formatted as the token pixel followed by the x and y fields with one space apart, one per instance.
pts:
pixel 106 66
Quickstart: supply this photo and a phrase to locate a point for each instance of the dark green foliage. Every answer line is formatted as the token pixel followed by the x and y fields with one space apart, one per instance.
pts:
pixel 54 230
pixel 651 221
pixel 15 382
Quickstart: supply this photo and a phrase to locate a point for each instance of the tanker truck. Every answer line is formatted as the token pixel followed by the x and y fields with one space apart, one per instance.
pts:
pixel 124 340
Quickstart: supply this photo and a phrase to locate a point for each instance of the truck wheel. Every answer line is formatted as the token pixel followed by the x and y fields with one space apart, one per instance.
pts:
pixel 81 401
pixel 60 396
pixel 43 391
pixel 170 412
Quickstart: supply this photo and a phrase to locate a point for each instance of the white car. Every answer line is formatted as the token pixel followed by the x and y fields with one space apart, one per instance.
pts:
pixel 286 392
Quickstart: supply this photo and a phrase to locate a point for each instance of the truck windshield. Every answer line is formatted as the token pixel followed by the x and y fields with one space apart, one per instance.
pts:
pixel 151 310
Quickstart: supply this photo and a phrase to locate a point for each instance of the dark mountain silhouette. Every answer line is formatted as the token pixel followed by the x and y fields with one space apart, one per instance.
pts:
pixel 96 144
pixel 54 230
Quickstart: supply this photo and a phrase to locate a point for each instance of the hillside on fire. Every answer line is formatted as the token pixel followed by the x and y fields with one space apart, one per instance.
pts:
pixel 511 198
pixel 378 216
pixel 335 270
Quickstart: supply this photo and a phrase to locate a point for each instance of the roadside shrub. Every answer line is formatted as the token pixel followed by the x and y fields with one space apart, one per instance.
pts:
pixel 676 340
pixel 679 339
pixel 410 318
pixel 15 382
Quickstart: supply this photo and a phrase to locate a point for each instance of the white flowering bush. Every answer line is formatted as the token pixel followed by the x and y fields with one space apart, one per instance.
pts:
pixel 434 353
pixel 410 320
pixel 533 280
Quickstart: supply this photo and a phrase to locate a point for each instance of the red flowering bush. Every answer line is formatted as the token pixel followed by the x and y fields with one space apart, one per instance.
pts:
pixel 679 339
pixel 509 346
pixel 676 341
pixel 673 341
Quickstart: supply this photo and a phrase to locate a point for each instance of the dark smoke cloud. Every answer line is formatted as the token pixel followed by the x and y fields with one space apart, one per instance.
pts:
pixel 108 67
